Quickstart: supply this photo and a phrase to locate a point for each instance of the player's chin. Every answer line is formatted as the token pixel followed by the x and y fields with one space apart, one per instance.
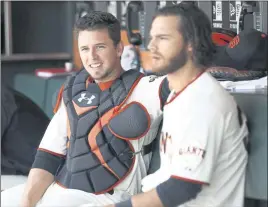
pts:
pixel 91 72
pixel 95 74
pixel 100 76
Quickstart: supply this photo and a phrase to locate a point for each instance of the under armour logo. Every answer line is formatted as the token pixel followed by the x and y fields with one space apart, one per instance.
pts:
pixel 83 97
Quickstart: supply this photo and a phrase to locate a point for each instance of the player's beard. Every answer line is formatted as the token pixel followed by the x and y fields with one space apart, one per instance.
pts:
pixel 175 63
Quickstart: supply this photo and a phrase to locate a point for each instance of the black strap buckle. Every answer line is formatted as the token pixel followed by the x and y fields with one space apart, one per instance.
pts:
pixel 133 154
pixel 144 150
pixel 111 192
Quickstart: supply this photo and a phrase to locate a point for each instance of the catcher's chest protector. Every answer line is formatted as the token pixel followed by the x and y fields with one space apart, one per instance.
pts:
pixel 99 154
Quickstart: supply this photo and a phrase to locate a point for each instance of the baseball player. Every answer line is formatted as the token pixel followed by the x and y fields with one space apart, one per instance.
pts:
pixel 203 156
pixel 97 147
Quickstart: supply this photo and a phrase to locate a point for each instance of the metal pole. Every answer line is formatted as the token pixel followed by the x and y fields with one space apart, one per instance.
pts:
pixel 101 6
pixel 206 6
pixel 8 27
pixel 264 16
pixel 118 10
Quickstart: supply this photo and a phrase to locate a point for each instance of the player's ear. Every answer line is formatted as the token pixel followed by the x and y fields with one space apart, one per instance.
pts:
pixel 189 48
pixel 120 49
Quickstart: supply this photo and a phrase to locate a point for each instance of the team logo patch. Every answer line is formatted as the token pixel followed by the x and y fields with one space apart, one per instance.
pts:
pixel 191 150
pixel 152 78
pixel 190 157
pixel 85 99
pixel 165 137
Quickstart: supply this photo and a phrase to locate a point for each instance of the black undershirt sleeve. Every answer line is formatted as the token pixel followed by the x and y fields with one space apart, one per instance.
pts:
pixel 174 192
pixel 46 161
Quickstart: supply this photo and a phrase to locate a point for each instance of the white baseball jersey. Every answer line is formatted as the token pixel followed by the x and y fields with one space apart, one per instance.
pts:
pixel 146 92
pixel 202 142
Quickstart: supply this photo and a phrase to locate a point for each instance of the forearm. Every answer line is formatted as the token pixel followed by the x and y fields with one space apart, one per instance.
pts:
pixel 49 157
pixel 38 182
pixel 170 193
pixel 148 199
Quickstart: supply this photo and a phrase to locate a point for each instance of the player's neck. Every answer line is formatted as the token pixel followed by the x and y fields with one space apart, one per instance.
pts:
pixel 183 76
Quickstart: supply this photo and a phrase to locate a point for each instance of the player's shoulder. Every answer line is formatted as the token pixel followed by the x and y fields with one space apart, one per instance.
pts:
pixel 147 91
pixel 151 81
pixel 210 92
pixel 220 96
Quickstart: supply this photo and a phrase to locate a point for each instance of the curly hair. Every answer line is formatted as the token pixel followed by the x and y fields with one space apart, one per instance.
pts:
pixel 195 28
pixel 100 20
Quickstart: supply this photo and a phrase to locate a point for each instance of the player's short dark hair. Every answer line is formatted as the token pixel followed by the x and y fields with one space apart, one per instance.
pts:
pixel 195 28
pixel 100 20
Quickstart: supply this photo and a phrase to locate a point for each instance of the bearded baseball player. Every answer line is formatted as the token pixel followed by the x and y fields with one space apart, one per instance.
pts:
pixel 203 155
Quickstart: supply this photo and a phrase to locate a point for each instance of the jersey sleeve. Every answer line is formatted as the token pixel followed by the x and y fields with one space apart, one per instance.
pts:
pixel 53 147
pixel 196 146
pixel 54 140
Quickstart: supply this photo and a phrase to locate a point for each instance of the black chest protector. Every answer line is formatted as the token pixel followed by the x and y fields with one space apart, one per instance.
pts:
pixel 99 154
